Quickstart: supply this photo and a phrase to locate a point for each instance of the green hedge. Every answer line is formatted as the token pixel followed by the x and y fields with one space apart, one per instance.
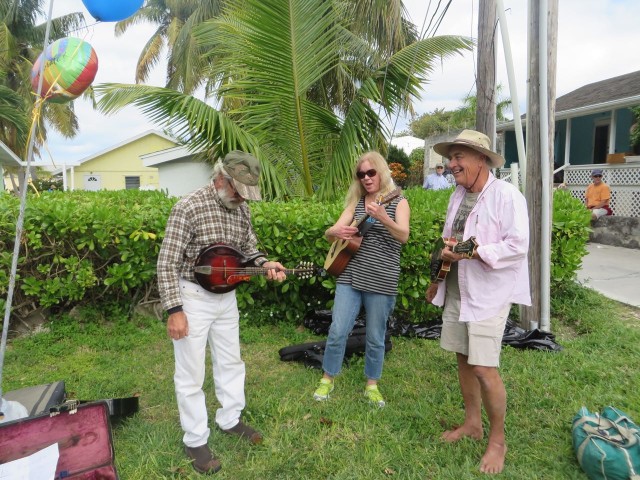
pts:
pixel 91 247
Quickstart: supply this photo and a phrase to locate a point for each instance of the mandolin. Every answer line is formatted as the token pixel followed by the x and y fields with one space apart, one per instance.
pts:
pixel 440 268
pixel 220 268
pixel 341 251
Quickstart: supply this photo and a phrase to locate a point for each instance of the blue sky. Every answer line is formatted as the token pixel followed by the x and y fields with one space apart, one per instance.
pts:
pixel 597 39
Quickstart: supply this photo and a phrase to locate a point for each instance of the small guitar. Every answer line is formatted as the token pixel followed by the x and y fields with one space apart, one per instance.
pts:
pixel 341 250
pixel 440 268
pixel 220 268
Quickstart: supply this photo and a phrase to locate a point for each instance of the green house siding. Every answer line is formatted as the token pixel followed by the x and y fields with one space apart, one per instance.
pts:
pixel 583 138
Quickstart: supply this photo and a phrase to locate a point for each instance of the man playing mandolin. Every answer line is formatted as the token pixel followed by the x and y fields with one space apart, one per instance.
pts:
pixel 370 277
pixel 216 213
pixel 481 284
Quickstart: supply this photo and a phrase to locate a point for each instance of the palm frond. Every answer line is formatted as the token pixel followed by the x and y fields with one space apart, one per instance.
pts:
pixel 149 56
pixel 205 128
pixel 409 69
pixel 278 51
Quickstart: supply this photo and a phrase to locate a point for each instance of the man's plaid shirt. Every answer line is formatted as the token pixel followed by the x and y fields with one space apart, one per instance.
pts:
pixel 197 221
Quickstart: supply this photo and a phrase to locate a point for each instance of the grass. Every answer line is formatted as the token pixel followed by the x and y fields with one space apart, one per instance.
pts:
pixel 106 355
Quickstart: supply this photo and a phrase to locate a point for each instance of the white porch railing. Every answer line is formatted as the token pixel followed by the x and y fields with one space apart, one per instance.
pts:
pixel 622 178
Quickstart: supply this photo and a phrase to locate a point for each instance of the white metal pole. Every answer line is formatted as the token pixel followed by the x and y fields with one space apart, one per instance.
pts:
pixel 613 126
pixel 23 203
pixel 567 144
pixel 513 89
pixel 515 181
pixel 545 220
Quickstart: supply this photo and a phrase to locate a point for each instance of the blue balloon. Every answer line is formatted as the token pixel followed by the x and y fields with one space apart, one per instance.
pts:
pixel 112 10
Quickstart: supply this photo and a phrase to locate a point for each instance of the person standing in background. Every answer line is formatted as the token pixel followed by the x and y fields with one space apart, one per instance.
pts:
pixel 437 180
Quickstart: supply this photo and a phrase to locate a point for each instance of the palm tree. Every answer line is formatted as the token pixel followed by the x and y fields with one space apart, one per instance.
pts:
pixel 371 22
pixel 175 21
pixel 21 41
pixel 270 58
pixel 465 115
pixel 441 120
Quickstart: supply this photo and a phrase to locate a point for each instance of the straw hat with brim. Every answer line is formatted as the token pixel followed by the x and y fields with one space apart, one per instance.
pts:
pixel 243 171
pixel 475 140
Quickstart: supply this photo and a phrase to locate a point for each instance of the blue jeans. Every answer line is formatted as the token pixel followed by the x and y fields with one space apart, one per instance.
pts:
pixel 346 307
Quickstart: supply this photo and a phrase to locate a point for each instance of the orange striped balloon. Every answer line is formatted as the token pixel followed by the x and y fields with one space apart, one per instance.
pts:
pixel 70 65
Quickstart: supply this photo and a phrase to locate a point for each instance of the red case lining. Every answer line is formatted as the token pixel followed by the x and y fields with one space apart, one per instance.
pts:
pixel 84 441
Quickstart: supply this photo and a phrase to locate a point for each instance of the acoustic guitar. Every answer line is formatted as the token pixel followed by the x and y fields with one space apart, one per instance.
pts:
pixel 440 268
pixel 220 268
pixel 341 251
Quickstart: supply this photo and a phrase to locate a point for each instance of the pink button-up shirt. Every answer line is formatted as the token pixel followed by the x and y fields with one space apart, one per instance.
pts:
pixel 500 223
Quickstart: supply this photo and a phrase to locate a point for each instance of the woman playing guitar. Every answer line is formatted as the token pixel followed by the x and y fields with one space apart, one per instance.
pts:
pixel 370 278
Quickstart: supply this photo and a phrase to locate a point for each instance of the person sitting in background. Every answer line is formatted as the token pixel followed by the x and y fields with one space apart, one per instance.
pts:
pixel 437 180
pixel 598 196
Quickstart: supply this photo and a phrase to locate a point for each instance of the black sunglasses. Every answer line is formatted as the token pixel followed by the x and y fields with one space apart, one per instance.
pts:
pixel 596 176
pixel 369 173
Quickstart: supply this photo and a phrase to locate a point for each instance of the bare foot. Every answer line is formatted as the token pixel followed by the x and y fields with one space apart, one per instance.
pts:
pixel 493 459
pixel 459 432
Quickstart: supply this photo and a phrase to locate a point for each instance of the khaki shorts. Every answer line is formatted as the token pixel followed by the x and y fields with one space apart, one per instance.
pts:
pixel 480 341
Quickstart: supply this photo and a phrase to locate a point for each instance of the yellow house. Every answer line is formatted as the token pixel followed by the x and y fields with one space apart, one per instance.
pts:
pixel 119 167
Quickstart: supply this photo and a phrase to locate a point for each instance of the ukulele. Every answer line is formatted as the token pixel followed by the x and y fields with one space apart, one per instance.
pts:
pixel 220 268
pixel 341 250
pixel 440 268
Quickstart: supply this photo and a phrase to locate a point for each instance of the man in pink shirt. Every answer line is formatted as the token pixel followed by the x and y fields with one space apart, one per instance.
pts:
pixel 481 285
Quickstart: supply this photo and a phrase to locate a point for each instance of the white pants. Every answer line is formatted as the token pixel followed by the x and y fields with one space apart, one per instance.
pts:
pixel 214 318
pixel 599 212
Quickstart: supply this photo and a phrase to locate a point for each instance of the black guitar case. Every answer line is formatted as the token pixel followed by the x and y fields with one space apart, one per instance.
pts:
pixel 312 353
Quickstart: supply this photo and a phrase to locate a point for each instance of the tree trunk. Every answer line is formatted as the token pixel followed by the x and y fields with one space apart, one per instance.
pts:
pixel 486 78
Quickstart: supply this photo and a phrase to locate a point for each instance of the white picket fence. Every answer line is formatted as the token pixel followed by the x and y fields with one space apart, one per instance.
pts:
pixel 622 178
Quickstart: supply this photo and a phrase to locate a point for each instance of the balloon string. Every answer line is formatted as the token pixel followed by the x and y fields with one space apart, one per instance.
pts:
pixel 34 130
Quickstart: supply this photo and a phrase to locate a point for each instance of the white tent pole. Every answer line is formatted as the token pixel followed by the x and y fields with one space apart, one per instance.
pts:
pixel 545 238
pixel 513 89
pixel 23 203
pixel 515 174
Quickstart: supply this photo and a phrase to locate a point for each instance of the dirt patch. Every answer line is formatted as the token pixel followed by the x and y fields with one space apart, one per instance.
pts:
pixel 631 315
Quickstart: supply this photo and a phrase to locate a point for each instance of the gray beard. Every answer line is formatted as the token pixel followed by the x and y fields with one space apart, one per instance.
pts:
pixel 227 200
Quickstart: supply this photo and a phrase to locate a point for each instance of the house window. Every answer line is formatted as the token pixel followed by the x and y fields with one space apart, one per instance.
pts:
pixel 132 183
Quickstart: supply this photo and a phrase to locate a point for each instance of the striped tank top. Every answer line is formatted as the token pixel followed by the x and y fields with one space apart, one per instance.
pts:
pixel 375 267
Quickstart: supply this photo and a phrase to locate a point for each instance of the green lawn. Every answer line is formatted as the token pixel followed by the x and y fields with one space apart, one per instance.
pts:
pixel 107 356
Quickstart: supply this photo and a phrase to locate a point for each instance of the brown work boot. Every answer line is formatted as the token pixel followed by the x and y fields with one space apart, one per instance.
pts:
pixel 245 431
pixel 202 459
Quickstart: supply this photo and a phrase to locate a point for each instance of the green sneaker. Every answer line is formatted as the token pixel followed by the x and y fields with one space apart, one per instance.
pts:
pixel 324 389
pixel 374 396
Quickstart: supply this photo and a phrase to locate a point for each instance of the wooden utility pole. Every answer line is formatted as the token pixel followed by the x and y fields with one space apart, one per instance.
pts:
pixel 531 316
pixel 486 75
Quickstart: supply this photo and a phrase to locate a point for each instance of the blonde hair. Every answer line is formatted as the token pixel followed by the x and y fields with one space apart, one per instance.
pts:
pixel 356 190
